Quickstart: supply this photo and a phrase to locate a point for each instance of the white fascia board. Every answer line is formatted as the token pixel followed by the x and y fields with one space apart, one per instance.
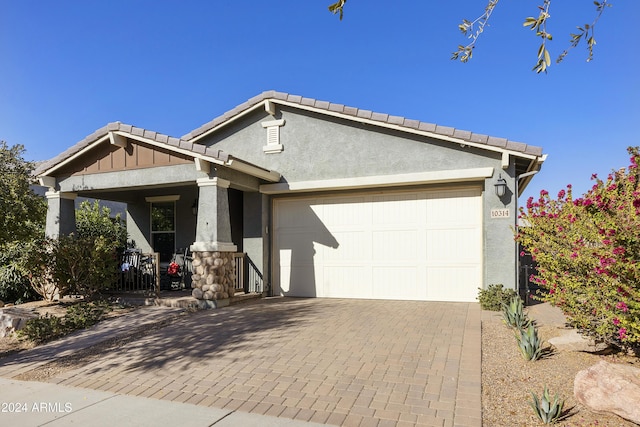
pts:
pixel 228 122
pixel 202 165
pixel 535 164
pixel 118 140
pixel 75 156
pixel 47 181
pixel 258 172
pixel 363 120
pixel 405 129
pixel 235 164
pixel 172 148
pixel 435 177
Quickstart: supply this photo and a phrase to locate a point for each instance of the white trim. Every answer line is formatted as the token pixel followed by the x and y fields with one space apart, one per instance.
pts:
pixel 118 140
pixel 159 199
pixel 368 121
pixel 235 164
pixel 273 145
pixel 213 247
pixel 244 167
pixel 405 129
pixel 47 181
pixel 272 123
pixel 202 165
pixel 75 156
pixel 436 177
pixel 218 182
pixel 171 147
pixel 60 195
pixel 267 175
pixel 269 107
pixel 505 160
pixel 272 148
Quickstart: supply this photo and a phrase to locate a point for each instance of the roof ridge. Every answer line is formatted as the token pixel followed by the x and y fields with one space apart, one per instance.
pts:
pixel 355 112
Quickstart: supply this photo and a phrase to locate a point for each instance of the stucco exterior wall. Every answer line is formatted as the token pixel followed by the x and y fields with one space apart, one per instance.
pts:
pixel 320 147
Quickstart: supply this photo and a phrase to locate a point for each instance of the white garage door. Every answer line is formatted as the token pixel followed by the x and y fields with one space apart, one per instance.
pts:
pixel 409 245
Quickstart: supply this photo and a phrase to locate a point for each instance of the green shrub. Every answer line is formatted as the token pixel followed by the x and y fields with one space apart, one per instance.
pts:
pixel 587 250
pixel 38 261
pixel 84 315
pixel 494 297
pixel 43 329
pixel 78 316
pixel 86 265
pixel 71 265
pixel 14 284
pixel 94 221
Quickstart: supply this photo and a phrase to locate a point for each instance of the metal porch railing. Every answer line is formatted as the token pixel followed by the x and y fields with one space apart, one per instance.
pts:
pixel 138 272
pixel 248 277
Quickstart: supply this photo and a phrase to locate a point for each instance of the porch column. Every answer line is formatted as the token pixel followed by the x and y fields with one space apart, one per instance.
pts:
pixel 213 264
pixel 61 213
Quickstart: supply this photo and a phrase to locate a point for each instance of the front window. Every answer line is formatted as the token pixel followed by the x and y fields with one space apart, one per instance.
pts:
pixel 163 230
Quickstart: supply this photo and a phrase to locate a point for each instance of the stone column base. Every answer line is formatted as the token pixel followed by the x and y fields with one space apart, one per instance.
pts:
pixel 214 275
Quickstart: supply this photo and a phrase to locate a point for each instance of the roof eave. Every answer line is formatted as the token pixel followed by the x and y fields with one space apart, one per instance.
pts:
pixel 470 139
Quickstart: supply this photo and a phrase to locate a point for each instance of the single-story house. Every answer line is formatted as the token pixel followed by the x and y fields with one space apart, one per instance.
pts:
pixel 327 200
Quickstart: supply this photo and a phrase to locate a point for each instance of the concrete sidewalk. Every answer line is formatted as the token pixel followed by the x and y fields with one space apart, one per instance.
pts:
pixel 29 404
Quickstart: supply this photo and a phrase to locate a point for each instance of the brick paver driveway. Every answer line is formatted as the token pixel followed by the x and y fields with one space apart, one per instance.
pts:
pixel 343 362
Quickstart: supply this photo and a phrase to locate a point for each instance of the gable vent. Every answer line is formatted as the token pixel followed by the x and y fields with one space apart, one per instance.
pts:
pixel 273 136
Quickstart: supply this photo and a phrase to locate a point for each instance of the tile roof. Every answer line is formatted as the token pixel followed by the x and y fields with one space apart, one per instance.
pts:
pixel 357 113
pixel 186 143
pixel 135 131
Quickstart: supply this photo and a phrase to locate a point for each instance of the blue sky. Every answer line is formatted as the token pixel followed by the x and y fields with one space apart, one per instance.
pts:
pixel 69 67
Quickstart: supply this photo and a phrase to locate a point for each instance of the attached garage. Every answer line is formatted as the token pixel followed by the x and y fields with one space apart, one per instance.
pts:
pixel 421 244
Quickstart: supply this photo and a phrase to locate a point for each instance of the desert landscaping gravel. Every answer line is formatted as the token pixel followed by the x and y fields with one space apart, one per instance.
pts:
pixel 508 380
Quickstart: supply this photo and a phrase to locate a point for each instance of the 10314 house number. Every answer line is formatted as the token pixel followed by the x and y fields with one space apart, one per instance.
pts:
pixel 500 213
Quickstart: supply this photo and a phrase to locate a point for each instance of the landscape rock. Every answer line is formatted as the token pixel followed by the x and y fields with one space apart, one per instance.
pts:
pixel 571 340
pixel 13 319
pixel 610 387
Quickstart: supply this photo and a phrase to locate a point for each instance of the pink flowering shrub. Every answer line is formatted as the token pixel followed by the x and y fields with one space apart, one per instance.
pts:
pixel 588 254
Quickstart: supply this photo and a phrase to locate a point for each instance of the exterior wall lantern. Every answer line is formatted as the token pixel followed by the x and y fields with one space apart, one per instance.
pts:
pixel 501 186
pixel 194 208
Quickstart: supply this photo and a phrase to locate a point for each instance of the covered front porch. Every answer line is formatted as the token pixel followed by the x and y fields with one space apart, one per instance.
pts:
pixel 185 204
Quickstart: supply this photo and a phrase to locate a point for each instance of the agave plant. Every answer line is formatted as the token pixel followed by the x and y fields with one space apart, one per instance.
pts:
pixel 547 411
pixel 514 315
pixel 529 343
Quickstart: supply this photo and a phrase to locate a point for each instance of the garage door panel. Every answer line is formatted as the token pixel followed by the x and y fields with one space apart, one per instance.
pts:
pixel 398 283
pixel 349 247
pixel 395 210
pixel 453 283
pixel 345 282
pixel 446 245
pixel 453 211
pixel 395 245
pixel 343 213
pixel 423 245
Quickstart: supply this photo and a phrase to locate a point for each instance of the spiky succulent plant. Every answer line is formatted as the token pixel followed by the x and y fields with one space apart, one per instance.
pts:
pixel 548 411
pixel 529 343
